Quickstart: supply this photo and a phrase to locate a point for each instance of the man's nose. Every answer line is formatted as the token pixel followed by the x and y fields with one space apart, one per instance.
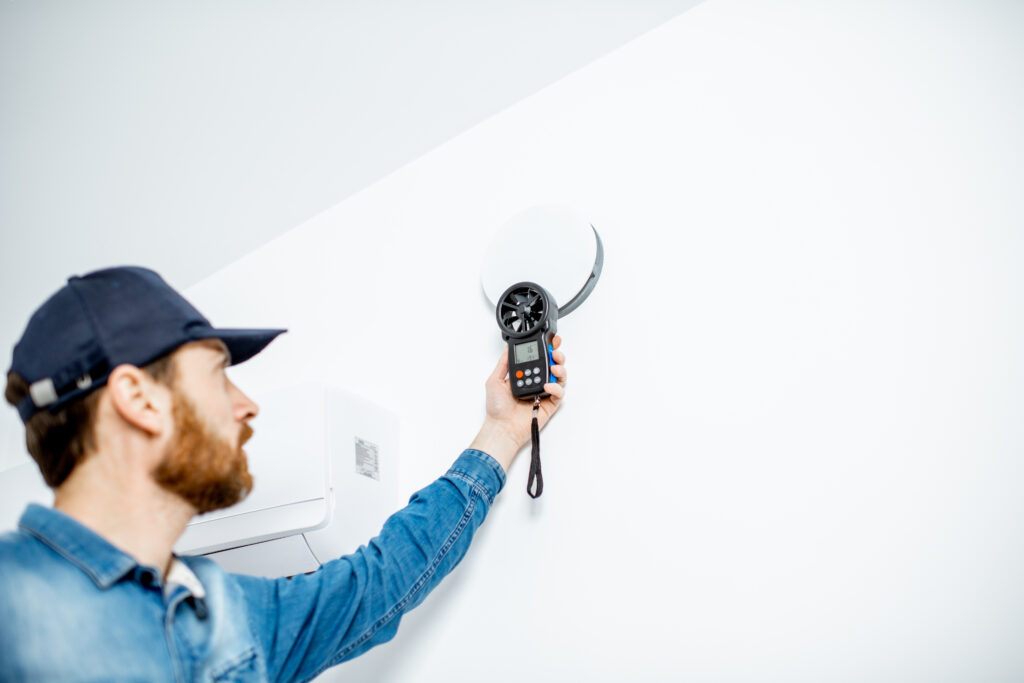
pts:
pixel 245 407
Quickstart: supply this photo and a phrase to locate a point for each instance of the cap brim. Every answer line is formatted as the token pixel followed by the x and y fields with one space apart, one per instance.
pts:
pixel 243 344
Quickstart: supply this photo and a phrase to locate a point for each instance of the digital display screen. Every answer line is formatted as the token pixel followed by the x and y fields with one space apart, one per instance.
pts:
pixel 527 352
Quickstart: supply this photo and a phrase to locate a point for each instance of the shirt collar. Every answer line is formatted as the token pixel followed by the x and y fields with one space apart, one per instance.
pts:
pixel 182 575
pixel 78 544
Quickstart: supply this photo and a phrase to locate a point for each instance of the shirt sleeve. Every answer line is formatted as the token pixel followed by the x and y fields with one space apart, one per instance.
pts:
pixel 311 622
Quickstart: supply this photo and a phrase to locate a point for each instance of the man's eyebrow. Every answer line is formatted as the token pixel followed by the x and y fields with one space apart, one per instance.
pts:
pixel 223 355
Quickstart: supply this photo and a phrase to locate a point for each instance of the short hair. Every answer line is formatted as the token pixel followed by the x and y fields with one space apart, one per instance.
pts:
pixel 59 441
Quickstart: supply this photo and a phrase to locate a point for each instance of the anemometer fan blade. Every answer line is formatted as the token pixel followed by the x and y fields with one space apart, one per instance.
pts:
pixel 522 310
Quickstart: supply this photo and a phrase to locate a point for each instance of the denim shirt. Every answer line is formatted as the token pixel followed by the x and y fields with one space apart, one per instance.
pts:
pixel 73 607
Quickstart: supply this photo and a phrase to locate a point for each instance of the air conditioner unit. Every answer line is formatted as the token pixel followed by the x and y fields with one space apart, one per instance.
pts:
pixel 324 465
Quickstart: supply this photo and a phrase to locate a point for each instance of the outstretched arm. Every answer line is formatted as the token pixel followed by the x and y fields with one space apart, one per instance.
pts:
pixel 311 622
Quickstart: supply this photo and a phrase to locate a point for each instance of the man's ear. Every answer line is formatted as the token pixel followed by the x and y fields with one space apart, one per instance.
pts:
pixel 138 399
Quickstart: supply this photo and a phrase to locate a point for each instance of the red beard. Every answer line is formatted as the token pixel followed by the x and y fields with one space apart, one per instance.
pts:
pixel 205 470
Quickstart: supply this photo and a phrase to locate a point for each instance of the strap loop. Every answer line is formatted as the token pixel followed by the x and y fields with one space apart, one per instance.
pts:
pixel 536 480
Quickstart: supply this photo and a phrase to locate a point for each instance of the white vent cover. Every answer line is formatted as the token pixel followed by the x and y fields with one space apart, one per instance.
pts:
pixel 551 245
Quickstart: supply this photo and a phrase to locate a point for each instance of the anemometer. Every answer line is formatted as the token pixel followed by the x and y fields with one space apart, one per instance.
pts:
pixel 528 318
pixel 569 264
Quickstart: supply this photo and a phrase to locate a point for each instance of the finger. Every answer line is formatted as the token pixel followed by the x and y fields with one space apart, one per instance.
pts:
pixel 556 341
pixel 557 391
pixel 559 357
pixel 560 372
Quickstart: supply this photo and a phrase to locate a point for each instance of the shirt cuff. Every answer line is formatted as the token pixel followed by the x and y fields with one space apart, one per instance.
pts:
pixel 481 469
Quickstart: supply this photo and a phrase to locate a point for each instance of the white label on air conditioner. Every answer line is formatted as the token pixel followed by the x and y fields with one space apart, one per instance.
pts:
pixel 367 462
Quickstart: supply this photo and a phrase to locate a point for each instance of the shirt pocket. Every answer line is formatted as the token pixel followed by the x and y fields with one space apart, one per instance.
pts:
pixel 242 667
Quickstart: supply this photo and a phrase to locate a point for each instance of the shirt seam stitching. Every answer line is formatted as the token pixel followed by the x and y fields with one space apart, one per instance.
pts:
pixel 473 481
pixel 491 462
pixel 97 579
pixel 237 661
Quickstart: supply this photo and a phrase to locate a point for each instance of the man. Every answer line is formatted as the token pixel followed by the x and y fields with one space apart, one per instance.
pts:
pixel 135 425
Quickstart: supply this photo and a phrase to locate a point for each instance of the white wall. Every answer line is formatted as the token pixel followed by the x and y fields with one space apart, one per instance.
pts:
pixel 133 132
pixel 791 446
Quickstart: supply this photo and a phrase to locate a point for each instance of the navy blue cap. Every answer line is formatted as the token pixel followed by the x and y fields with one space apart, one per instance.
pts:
pixel 107 318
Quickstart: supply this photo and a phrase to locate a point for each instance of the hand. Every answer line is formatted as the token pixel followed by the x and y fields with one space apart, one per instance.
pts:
pixel 506 428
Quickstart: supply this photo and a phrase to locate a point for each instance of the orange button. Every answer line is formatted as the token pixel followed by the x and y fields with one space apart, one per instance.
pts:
pixel 519 374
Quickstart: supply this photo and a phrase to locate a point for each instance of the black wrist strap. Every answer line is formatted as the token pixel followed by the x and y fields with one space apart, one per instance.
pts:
pixel 536 480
